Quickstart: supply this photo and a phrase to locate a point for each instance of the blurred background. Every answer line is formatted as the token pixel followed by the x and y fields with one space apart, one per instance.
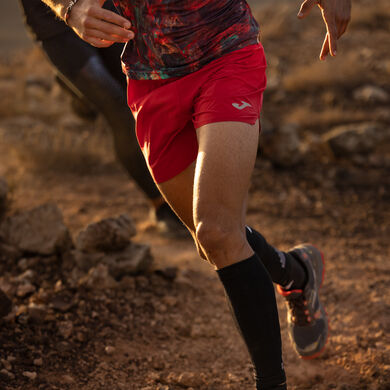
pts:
pixel 310 97
pixel 323 175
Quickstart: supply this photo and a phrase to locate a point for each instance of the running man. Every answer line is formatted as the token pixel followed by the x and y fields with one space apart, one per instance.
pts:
pixel 94 75
pixel 196 75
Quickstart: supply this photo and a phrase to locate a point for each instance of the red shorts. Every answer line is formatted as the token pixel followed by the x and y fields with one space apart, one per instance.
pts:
pixel 169 111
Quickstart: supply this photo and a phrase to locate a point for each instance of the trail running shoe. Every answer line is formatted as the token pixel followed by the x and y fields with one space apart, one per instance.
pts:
pixel 168 223
pixel 306 318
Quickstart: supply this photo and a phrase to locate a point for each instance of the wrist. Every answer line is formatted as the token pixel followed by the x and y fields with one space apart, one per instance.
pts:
pixel 66 14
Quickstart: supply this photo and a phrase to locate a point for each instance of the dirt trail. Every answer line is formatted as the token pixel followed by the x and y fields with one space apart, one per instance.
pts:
pixel 169 331
pixel 162 328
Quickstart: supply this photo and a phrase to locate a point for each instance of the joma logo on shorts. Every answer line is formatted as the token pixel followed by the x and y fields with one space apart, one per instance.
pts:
pixel 241 106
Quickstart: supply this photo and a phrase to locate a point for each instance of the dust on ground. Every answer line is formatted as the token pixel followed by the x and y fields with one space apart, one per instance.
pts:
pixel 172 330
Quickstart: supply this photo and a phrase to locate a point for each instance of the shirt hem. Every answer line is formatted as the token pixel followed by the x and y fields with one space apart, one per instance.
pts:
pixel 171 73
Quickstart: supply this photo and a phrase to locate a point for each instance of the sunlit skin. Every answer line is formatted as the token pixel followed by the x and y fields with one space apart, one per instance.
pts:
pixel 336 15
pixel 102 28
pixel 213 209
pixel 94 24
pixel 210 195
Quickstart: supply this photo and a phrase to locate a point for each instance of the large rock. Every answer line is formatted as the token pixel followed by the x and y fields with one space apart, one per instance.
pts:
pixel 108 243
pixel 356 138
pixel 9 252
pixel 371 94
pixel 282 145
pixel 133 259
pixel 40 230
pixel 111 234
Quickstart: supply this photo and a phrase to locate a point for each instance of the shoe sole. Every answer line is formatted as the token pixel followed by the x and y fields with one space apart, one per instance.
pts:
pixel 317 354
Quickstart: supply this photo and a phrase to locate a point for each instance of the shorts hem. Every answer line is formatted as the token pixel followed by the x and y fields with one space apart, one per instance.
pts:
pixel 250 121
pixel 162 175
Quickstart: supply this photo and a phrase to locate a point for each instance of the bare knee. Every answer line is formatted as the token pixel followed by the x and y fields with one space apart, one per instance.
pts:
pixel 222 244
pixel 197 244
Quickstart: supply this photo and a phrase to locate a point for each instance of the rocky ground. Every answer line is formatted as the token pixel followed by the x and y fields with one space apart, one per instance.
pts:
pixel 85 317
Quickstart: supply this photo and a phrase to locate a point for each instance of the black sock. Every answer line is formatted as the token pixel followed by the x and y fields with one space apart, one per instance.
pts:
pixel 252 299
pixel 283 267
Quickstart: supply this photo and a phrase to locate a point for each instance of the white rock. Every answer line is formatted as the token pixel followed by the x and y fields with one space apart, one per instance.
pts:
pixel 37 312
pixel 109 350
pixel 187 379
pixel 98 278
pixel 38 361
pixel 30 375
pixel 67 379
pixel 371 94
pixel 26 276
pixel 25 289
pixel 170 300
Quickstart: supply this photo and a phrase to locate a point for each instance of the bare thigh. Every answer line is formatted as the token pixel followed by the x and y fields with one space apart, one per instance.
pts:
pixel 178 192
pixel 226 158
pixel 210 195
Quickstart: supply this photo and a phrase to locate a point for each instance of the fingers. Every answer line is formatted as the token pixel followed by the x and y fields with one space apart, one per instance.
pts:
pixel 91 33
pixel 325 48
pixel 342 27
pixel 108 23
pixel 109 16
pixel 306 7
pixel 107 31
pixel 336 15
pixel 332 30
pixel 99 27
pixel 99 43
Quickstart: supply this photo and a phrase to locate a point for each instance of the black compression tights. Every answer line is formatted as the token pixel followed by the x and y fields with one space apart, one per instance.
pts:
pixel 96 74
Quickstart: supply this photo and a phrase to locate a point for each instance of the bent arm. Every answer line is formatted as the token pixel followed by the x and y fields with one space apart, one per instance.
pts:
pixel 336 15
pixel 92 23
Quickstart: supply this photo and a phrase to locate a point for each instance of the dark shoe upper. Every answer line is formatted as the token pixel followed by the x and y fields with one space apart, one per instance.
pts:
pixel 307 320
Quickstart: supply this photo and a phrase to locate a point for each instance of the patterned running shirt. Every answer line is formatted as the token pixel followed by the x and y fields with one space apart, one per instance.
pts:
pixel 176 37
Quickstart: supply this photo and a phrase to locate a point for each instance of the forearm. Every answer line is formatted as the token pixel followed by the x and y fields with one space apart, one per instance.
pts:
pixel 92 23
pixel 58 6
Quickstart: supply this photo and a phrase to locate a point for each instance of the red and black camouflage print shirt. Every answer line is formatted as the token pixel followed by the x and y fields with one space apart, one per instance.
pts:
pixel 177 37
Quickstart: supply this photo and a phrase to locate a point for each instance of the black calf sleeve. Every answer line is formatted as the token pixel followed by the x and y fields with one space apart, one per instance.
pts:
pixel 110 99
pixel 283 268
pixel 252 299
pixel 96 75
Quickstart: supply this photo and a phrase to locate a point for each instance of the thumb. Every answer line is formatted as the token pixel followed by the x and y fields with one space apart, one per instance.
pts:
pixel 306 7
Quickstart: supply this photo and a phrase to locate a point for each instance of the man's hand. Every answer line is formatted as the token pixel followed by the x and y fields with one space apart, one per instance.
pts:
pixel 98 26
pixel 336 15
